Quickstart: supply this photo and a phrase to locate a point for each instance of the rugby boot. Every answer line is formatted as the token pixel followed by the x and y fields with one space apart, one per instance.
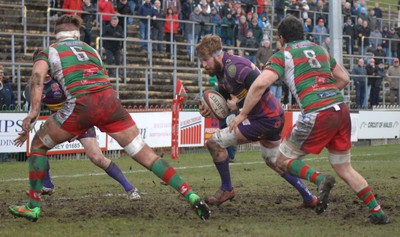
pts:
pixel 48 191
pixel 381 220
pixel 311 204
pixel 221 196
pixel 134 194
pixel 31 214
pixel 45 191
pixel 324 189
pixel 200 207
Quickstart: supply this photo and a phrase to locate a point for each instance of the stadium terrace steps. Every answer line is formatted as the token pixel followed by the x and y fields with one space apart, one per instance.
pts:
pixel 160 92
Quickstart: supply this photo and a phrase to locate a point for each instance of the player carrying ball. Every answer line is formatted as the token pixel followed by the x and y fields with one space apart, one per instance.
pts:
pixel 235 75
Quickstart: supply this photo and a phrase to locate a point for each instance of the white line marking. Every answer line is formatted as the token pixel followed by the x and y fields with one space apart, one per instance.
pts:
pixel 205 166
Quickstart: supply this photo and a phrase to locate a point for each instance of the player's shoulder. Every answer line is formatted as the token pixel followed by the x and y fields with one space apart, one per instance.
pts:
pixel 236 60
pixel 232 59
pixel 278 54
pixel 277 58
pixel 233 64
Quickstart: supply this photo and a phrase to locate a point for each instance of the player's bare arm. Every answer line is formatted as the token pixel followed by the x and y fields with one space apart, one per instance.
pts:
pixel 340 76
pixel 257 89
pixel 39 73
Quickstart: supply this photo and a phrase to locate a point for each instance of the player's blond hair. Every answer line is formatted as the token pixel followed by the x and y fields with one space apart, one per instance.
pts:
pixel 208 45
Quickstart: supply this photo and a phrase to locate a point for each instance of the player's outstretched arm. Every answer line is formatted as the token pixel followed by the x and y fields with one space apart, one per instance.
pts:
pixel 257 89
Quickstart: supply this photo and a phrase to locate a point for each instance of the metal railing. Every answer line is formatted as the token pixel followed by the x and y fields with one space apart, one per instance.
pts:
pixel 126 40
pixel 23 15
pixel 384 88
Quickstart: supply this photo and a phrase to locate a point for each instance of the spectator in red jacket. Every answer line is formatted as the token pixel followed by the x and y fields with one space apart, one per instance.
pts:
pixel 168 25
pixel 73 5
pixel 174 4
pixel 106 6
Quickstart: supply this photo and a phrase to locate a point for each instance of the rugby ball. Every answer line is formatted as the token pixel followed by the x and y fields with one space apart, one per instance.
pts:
pixel 216 103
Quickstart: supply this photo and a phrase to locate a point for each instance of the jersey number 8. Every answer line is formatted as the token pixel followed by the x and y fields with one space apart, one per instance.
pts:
pixel 312 59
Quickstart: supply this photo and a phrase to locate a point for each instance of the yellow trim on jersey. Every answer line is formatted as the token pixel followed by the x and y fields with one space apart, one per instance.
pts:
pixel 55 107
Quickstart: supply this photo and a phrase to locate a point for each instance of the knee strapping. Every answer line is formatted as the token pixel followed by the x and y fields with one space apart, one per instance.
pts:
pixel 135 146
pixel 289 152
pixel 224 138
pixel 269 154
pixel 336 159
pixel 48 141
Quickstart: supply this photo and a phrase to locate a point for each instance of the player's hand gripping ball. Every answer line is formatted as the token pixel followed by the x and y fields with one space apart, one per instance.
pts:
pixel 215 103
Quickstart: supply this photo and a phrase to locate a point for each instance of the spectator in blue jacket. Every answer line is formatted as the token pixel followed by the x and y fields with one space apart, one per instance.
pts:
pixel 146 10
pixel 320 31
pixel 378 14
pixel 7 101
pixel 359 78
pixel 216 19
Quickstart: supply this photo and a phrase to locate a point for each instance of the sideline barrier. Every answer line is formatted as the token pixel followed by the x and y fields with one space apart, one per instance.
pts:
pixel 156 127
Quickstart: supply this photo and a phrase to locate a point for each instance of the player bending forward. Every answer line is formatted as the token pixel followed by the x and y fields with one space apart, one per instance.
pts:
pixel 90 101
pixel 315 80
pixel 235 75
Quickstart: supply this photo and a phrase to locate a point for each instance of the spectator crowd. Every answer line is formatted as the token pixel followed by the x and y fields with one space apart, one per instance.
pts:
pixel 247 25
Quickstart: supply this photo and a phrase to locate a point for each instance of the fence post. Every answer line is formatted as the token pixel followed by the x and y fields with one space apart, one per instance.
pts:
pixel 147 87
pixel 13 57
pixel 19 85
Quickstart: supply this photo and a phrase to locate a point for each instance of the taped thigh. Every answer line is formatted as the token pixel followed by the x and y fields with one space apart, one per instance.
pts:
pixel 336 159
pixel 269 154
pixel 47 141
pixel 135 146
pixel 224 138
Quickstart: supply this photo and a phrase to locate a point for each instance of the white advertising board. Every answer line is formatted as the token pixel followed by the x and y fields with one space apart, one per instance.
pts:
pixel 10 126
pixel 155 128
pixel 355 121
pixel 379 124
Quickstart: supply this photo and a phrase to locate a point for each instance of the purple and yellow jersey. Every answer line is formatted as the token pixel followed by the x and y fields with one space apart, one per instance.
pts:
pixel 53 96
pixel 76 66
pixel 307 70
pixel 235 71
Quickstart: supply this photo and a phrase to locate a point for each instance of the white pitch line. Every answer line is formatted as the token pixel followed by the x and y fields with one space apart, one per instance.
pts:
pixel 198 167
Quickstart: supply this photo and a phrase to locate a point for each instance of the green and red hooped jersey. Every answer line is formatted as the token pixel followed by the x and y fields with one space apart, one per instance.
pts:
pixel 306 68
pixel 76 66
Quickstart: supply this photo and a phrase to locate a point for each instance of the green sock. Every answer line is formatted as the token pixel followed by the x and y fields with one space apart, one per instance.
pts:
pixel 299 169
pixel 37 172
pixel 368 198
pixel 168 174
